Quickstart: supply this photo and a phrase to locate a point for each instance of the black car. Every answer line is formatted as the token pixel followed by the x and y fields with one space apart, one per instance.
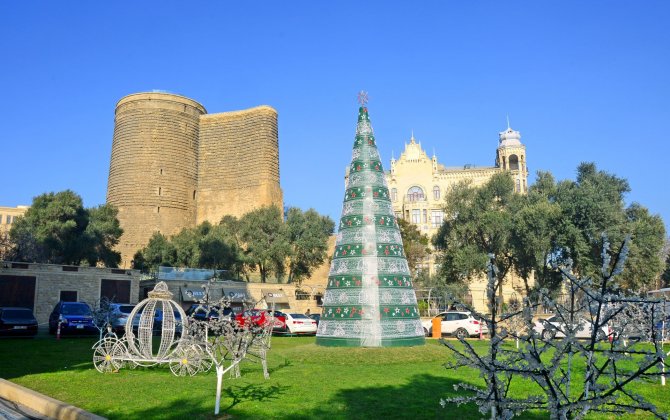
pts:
pixel 315 317
pixel 74 317
pixel 18 322
pixel 205 313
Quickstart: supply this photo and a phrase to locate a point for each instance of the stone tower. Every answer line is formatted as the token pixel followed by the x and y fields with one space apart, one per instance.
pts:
pixel 174 166
pixel 511 156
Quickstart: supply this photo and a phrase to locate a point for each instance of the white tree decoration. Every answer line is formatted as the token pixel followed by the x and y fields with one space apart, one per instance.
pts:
pixel 103 315
pixel 611 362
pixel 188 345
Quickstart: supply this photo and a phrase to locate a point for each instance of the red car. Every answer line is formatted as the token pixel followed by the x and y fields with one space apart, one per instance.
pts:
pixel 260 317
pixel 252 317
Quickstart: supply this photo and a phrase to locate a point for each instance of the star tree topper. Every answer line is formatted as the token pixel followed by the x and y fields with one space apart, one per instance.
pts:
pixel 362 97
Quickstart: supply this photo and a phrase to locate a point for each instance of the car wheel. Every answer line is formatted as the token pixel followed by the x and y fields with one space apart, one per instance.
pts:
pixel 52 330
pixel 547 335
pixel 462 333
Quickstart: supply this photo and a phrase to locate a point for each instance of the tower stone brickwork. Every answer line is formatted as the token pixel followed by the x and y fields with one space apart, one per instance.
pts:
pixel 175 166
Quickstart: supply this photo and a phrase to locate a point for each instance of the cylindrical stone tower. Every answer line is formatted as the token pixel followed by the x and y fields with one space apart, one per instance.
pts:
pixel 153 170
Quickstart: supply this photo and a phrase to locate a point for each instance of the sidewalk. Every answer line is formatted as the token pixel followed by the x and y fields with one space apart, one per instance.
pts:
pixel 15 398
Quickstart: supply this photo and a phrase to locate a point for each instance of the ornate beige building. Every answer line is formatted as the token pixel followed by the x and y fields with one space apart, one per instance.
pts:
pixel 418 185
pixel 175 166
pixel 9 214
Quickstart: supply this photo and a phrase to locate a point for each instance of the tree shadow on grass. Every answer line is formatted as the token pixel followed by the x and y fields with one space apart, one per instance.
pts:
pixel 195 408
pixel 418 399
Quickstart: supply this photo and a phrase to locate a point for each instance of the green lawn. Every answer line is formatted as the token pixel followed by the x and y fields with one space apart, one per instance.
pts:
pixel 305 382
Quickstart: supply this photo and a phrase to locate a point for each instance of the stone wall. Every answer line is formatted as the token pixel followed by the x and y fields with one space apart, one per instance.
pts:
pixel 238 165
pixel 51 279
pixel 153 168
pixel 173 167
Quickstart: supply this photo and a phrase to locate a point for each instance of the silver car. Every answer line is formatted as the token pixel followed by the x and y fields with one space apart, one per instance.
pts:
pixel 555 327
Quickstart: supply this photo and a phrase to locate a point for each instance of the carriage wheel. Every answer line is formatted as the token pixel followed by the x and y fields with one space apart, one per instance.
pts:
pixel 205 361
pixel 106 357
pixel 187 360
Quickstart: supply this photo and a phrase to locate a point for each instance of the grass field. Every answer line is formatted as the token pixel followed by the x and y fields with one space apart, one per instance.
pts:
pixel 305 382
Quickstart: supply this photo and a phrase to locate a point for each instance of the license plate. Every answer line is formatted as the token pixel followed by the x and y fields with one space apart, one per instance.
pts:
pixel 80 327
pixel 20 327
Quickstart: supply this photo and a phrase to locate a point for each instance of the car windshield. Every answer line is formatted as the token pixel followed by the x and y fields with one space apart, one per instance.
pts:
pixel 76 310
pixel 17 314
pixel 301 316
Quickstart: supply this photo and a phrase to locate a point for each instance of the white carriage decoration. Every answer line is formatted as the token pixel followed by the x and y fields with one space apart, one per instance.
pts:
pixel 184 354
pixel 184 342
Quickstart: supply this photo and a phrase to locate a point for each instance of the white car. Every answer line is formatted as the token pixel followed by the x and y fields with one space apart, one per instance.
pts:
pixel 555 327
pixel 459 323
pixel 300 324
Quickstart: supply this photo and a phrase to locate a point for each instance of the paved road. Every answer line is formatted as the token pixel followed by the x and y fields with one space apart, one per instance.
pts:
pixel 11 411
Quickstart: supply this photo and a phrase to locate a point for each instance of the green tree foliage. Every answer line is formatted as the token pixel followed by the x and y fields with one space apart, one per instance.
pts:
pixel 645 259
pixel 266 241
pixel 102 234
pixel 159 251
pixel 478 222
pixel 308 234
pixel 260 240
pixel 415 244
pixel 538 227
pixel 665 277
pixel 554 223
pixel 594 205
pixel 58 229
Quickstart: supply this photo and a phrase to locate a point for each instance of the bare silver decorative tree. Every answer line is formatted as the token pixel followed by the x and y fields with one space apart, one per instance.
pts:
pixel 622 345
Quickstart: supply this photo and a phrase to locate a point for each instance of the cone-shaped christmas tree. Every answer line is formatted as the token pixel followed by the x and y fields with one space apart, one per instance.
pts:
pixel 369 301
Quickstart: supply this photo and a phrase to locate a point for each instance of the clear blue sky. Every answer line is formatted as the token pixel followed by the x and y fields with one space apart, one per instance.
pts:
pixel 581 81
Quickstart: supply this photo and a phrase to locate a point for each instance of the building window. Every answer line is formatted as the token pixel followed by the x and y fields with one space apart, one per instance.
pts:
pixel 394 194
pixel 0 218
pixel 436 193
pixel 416 216
pixel 436 218
pixel 415 194
pixel 68 295
pixel 513 163
pixel 398 215
pixel 425 216
pixel 9 219
pixel 160 190
pixel 518 185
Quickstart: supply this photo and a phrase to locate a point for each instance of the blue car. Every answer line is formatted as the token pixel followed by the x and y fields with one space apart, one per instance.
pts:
pixel 74 317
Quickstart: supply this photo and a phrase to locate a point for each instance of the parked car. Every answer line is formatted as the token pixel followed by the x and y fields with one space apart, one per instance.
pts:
pixel 253 317
pixel 205 313
pixel 74 317
pixel 158 321
pixel 119 317
pixel 461 324
pixel 315 317
pixel 299 324
pixel 555 327
pixel 18 322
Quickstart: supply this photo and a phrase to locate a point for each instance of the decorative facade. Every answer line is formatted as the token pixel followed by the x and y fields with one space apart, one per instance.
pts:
pixel 418 185
pixel 175 166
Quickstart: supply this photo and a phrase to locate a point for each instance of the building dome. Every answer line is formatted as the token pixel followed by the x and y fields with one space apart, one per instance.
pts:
pixel 509 137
